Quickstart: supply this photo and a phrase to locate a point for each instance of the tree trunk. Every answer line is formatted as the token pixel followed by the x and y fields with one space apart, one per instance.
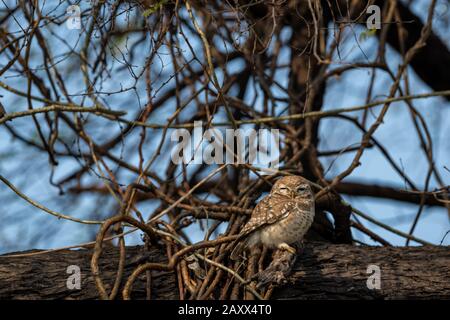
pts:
pixel 323 271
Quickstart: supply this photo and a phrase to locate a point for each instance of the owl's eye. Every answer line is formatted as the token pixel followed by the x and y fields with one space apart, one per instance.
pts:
pixel 301 189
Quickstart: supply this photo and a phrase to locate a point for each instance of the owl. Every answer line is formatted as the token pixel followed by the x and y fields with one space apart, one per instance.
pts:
pixel 279 219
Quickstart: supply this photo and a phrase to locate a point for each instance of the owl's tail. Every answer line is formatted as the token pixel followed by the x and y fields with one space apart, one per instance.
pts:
pixel 239 246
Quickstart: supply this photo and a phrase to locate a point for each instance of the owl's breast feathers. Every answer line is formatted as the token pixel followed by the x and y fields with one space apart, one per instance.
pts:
pixel 294 220
pixel 276 220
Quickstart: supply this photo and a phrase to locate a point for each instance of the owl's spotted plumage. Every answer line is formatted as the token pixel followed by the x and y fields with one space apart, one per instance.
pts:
pixel 281 218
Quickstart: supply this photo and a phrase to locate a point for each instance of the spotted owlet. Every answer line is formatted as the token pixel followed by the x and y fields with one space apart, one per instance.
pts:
pixel 281 218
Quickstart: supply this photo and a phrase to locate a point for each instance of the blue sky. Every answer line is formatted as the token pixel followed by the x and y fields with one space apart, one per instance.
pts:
pixel 28 228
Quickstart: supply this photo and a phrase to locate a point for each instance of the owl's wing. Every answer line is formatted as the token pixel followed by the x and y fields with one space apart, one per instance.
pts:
pixel 266 212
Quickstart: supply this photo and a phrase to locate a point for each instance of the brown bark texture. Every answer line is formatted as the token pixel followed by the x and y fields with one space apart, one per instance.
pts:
pixel 322 271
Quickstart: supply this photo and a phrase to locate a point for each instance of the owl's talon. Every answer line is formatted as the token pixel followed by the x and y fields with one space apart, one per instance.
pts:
pixel 288 248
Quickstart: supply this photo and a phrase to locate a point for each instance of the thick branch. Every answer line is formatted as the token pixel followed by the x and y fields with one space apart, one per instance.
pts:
pixel 428 62
pixel 386 192
pixel 368 190
pixel 323 271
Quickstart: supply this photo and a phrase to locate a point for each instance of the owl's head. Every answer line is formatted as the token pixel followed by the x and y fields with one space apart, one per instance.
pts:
pixel 293 187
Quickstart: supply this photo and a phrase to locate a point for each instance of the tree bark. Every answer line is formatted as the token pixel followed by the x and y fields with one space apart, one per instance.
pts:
pixel 322 271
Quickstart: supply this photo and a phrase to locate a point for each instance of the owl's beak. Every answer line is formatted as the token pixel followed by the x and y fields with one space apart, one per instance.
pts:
pixel 293 194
